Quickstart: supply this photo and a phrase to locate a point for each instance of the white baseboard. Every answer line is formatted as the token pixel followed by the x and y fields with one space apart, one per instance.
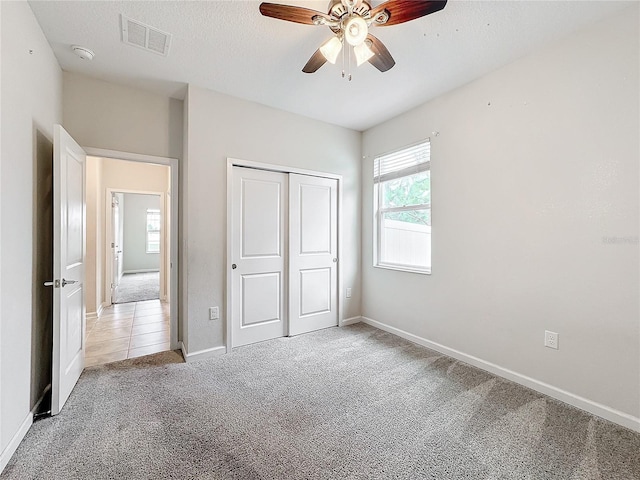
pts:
pixel 201 354
pixel 11 448
pixel 350 321
pixel 141 270
pixel 96 314
pixel 608 413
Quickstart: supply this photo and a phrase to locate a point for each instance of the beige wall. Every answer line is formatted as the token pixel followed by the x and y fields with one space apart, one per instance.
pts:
pixel 93 279
pixel 31 87
pixel 105 115
pixel 220 126
pixel 535 174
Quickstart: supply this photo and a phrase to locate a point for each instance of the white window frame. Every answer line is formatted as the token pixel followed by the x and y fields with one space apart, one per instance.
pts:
pixel 380 210
pixel 155 211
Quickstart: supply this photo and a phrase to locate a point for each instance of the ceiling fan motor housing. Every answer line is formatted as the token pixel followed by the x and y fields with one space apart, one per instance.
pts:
pixel 355 29
pixel 337 9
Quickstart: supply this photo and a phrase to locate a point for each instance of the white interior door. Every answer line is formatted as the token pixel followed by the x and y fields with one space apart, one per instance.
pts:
pixel 116 245
pixel 68 266
pixel 313 253
pixel 258 255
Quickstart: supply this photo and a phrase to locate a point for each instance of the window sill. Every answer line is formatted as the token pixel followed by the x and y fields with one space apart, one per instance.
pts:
pixel 404 269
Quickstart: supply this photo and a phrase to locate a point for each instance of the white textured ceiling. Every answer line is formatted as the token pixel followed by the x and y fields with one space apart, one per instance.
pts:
pixel 229 47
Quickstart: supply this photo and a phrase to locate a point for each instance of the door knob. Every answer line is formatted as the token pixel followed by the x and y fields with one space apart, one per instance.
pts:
pixel 335 260
pixel 68 282
pixel 234 266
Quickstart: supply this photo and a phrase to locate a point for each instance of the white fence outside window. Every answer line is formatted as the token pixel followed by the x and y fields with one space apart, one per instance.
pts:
pixel 405 243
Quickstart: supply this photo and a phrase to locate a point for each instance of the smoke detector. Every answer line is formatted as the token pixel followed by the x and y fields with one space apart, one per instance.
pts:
pixel 83 52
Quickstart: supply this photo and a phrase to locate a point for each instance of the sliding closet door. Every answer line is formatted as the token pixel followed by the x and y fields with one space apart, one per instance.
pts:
pixel 313 253
pixel 258 255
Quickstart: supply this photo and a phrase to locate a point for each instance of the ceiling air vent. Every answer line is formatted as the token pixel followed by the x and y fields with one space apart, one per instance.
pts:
pixel 145 36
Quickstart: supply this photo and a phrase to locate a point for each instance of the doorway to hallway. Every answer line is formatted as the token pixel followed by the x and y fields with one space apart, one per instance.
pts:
pixel 131 251
pixel 138 242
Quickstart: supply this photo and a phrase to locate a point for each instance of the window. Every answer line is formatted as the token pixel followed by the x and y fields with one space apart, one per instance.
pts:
pixel 402 196
pixel 153 230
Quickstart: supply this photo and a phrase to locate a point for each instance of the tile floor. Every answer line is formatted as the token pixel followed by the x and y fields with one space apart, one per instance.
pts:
pixel 127 330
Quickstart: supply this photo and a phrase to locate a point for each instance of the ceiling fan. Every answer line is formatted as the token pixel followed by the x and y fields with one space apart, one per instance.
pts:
pixel 350 21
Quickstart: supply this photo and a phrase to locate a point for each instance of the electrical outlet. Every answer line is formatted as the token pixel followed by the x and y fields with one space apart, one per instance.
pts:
pixel 348 292
pixel 214 313
pixel 551 339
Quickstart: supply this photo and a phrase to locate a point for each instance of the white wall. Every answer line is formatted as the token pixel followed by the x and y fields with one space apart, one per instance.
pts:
pixel 135 253
pixel 31 88
pixel 535 168
pixel 220 126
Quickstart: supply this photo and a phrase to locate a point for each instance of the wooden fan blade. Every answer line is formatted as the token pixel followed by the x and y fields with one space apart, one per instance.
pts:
pixel 291 13
pixel 401 11
pixel 315 62
pixel 381 59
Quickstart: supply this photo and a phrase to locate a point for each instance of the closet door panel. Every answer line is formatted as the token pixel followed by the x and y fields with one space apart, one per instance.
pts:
pixel 259 249
pixel 313 253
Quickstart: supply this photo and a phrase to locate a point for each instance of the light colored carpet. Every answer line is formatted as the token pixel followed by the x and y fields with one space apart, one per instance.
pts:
pixel 138 287
pixel 352 402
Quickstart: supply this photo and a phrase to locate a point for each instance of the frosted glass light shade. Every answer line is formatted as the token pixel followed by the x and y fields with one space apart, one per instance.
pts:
pixel 363 53
pixel 331 48
pixel 355 30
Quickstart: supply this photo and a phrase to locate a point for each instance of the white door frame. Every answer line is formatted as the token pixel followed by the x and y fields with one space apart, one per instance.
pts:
pixel 108 231
pixel 234 162
pixel 172 163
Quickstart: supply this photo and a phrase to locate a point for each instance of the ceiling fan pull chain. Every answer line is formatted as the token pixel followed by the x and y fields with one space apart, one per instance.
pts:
pixel 343 54
pixel 350 64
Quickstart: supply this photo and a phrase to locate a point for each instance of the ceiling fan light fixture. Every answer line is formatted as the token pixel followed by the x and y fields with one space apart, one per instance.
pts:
pixel 355 30
pixel 331 48
pixel 363 53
